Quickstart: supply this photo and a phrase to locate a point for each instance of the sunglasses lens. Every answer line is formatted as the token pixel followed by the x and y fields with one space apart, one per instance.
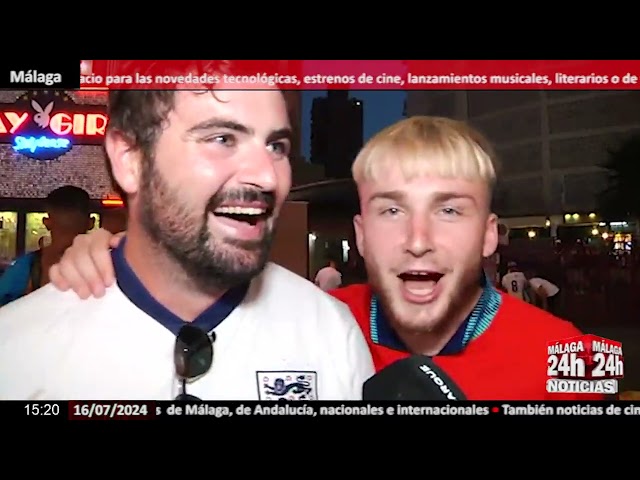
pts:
pixel 193 353
pixel 185 397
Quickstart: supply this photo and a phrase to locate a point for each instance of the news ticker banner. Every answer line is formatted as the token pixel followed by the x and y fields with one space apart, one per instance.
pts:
pixel 221 411
pixel 324 74
pixel 585 364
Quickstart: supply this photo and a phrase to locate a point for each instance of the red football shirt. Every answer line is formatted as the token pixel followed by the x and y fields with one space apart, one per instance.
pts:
pixel 508 361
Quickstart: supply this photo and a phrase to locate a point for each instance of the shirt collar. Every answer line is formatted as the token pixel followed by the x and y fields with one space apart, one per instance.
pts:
pixel 136 292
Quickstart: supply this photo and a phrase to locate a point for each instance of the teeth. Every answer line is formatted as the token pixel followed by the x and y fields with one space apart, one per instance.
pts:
pixel 240 211
pixel 424 290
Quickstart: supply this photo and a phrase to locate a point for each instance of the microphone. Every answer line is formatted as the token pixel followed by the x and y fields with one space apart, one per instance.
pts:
pixel 414 379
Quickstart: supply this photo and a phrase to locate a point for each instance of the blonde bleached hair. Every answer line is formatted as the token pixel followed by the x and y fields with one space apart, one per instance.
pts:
pixel 428 146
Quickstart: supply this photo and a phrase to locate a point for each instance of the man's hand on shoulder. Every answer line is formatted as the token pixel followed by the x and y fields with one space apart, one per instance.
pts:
pixel 86 267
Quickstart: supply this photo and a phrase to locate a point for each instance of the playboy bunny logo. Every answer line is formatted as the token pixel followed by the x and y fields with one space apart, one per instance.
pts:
pixel 43 116
pixel 86 67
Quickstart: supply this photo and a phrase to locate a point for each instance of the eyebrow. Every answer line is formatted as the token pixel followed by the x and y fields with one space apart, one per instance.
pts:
pixel 447 196
pixel 440 197
pixel 394 195
pixel 280 134
pixel 213 123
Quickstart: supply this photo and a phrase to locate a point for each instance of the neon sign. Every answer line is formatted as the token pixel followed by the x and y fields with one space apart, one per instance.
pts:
pixel 45 125
pixel 31 144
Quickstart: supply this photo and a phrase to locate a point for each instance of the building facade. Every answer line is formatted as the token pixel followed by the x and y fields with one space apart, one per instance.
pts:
pixel 47 140
pixel 551 145
pixel 294 105
pixel 336 132
pixel 51 139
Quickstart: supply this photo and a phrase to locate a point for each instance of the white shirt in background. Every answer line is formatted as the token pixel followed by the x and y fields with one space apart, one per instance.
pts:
pixel 328 278
pixel 514 283
pixel 549 288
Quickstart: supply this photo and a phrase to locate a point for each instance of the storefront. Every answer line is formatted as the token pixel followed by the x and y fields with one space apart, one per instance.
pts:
pixel 49 139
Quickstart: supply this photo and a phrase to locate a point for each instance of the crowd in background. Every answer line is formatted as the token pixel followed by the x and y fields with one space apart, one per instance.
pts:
pixel 596 287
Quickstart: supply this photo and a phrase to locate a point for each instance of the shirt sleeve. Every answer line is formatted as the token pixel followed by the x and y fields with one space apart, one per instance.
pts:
pixel 15 280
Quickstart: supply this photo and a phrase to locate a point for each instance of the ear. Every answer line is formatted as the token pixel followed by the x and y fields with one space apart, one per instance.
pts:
pixel 125 161
pixel 490 236
pixel 36 106
pixel 91 223
pixel 46 221
pixel 48 108
pixel 357 227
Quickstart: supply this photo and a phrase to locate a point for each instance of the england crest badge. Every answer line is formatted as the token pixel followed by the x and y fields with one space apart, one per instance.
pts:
pixel 287 385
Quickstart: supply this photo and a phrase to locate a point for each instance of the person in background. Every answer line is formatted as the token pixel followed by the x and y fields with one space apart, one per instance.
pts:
pixel 545 293
pixel 206 174
pixel 329 277
pixel 515 283
pixel 425 186
pixel 68 215
pixel 491 268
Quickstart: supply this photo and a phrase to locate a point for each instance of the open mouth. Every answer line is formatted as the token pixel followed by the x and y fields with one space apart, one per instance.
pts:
pixel 420 276
pixel 420 282
pixel 250 215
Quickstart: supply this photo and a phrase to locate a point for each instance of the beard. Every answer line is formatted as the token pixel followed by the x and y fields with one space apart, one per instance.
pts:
pixel 459 295
pixel 213 264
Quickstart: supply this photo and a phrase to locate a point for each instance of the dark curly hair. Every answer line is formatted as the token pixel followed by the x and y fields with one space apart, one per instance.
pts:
pixel 140 115
pixel 69 197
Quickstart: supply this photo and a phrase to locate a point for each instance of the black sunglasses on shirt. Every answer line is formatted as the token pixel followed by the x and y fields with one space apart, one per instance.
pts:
pixel 193 356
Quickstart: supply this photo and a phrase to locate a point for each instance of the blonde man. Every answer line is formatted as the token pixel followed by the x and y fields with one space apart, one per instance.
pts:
pixel 425 186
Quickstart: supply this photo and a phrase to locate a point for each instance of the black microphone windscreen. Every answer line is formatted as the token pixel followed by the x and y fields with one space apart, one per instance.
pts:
pixel 412 379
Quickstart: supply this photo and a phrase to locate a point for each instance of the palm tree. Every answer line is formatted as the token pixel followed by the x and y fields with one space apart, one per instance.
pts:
pixel 621 199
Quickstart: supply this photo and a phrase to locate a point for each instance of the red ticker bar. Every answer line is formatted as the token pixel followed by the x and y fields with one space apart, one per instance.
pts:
pixel 362 74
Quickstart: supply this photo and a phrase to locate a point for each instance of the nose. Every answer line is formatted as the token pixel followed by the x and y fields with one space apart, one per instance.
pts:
pixel 258 169
pixel 419 238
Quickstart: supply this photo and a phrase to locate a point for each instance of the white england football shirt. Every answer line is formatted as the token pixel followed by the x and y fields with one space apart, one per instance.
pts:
pixel 285 330
pixel 514 283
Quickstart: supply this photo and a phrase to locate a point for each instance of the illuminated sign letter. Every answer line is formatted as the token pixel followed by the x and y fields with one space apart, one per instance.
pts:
pixel 45 125
pixel 31 144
